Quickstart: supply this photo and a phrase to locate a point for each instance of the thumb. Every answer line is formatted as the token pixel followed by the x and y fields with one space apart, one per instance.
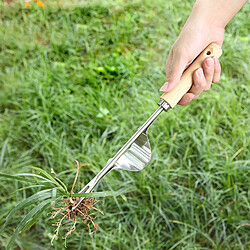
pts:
pixel 175 65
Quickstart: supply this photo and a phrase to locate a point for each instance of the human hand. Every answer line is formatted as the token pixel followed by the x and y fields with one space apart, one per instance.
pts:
pixel 193 39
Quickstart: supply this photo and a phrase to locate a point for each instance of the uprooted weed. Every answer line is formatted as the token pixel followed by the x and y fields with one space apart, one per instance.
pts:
pixel 80 213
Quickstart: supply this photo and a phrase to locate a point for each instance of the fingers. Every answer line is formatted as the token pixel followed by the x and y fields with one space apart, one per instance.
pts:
pixel 200 82
pixel 202 79
pixel 217 70
pixel 208 68
pixel 186 99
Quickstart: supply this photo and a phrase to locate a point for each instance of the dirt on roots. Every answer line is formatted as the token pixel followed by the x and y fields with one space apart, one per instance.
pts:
pixel 82 213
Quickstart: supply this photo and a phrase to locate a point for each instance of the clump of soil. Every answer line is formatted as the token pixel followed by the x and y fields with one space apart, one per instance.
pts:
pixel 81 213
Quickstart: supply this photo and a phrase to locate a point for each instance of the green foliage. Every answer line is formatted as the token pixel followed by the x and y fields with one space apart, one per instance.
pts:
pixel 28 221
pixel 44 198
pixel 76 82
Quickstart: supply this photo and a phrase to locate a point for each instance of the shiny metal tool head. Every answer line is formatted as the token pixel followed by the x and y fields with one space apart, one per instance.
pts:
pixel 137 156
pixel 133 156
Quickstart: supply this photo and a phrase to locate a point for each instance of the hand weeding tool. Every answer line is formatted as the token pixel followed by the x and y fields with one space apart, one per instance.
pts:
pixel 136 153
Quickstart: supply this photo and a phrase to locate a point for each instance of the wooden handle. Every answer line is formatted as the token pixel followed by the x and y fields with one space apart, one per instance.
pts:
pixel 186 81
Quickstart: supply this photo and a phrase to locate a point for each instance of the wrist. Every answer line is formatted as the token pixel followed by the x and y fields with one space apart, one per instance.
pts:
pixel 217 12
pixel 208 12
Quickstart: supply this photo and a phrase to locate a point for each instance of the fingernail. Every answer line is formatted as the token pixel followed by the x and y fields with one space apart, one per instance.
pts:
pixel 200 72
pixel 209 62
pixel 164 87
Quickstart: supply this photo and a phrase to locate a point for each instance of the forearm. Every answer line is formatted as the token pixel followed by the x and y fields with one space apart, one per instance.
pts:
pixel 219 12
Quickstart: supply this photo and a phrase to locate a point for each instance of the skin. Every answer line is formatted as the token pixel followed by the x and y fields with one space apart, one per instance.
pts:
pixel 206 24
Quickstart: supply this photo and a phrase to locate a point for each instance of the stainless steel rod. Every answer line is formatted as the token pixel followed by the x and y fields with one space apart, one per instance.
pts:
pixel 110 164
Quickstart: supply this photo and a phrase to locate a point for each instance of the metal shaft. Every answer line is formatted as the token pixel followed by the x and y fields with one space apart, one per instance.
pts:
pixel 110 164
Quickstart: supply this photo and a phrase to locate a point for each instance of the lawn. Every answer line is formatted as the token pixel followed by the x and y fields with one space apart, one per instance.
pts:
pixel 77 80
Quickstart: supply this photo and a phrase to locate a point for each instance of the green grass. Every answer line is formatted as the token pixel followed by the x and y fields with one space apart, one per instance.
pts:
pixel 77 81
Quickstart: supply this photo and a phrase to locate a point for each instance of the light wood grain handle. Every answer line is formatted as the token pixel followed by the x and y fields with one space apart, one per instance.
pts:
pixel 186 81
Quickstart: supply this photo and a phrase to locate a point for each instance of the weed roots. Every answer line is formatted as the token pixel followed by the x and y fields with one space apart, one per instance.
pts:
pixel 81 213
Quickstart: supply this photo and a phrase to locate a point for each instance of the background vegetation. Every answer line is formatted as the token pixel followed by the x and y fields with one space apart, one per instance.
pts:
pixel 76 81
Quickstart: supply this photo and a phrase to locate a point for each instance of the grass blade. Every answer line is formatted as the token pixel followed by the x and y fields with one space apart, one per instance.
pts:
pixel 53 194
pixel 16 177
pixel 34 219
pixel 3 151
pixel 62 185
pixel 52 179
pixel 42 195
pixel 45 174
pixel 25 220
pixel 102 194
